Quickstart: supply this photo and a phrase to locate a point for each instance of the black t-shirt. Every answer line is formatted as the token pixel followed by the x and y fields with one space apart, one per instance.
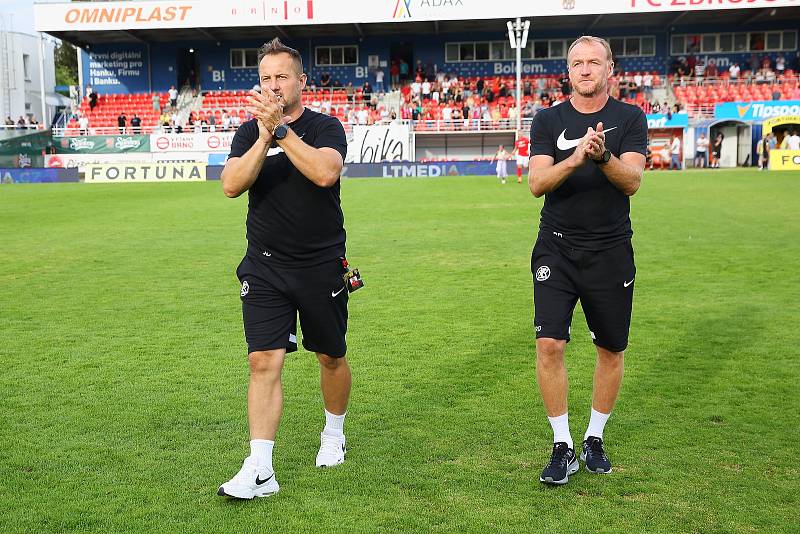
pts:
pixel 587 211
pixel 289 218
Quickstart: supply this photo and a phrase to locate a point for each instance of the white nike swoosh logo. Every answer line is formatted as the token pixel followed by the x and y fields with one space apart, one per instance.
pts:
pixel 334 293
pixel 274 151
pixel 565 144
pixel 626 284
pixel 267 254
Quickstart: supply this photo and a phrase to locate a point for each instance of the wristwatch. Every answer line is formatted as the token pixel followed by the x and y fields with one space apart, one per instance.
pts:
pixel 280 131
pixel 605 157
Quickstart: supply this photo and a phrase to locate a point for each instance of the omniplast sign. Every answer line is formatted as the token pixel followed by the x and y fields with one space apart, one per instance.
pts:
pixel 756 111
pixel 139 14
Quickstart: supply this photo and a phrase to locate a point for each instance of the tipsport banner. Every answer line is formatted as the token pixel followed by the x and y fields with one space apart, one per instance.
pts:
pixel 756 111
pixel 102 144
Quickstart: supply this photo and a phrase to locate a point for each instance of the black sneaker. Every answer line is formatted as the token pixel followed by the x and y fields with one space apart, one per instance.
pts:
pixel 594 457
pixel 563 463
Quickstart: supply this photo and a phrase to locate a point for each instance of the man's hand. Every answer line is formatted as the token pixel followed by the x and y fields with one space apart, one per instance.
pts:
pixel 268 112
pixel 580 155
pixel 596 144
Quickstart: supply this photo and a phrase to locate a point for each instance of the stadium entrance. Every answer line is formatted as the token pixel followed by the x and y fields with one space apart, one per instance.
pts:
pixel 187 72
pixel 399 53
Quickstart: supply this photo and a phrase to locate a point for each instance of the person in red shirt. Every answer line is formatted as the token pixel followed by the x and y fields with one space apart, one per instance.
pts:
pixel 521 149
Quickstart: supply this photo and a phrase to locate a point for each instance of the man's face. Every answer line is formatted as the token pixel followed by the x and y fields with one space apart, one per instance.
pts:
pixel 278 72
pixel 589 69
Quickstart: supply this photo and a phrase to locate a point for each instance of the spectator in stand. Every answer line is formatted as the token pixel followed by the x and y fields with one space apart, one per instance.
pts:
pixel 122 121
pixel 447 113
pixel 9 121
pixel 753 62
pixel 349 90
pixel 419 72
pixel 780 64
pixel 733 71
pixel 352 118
pixel 226 120
pixel 92 100
pixel 156 103
pixel 769 75
pixel 711 69
pixel 163 120
pixel 479 86
pixel 173 96
pixel 776 93
pixel 363 116
pixel 426 90
pixel 366 90
pixel 701 151
pixel 394 74
pixel 379 88
pixel 136 124
pixel 416 89
pixel 336 83
pixel 212 122
pixel 325 80
pixel 796 93
pixel 638 81
pixel 404 70
pixel 699 72
pixel 83 123
pixel 430 70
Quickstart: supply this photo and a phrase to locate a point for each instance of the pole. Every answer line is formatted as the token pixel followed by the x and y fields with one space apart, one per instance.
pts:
pixel 45 122
pixel 518 33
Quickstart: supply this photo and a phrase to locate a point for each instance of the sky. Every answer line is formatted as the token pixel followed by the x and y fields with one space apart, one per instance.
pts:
pixel 18 14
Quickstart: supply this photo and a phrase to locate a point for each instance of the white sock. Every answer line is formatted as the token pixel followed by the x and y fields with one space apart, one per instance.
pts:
pixel 261 452
pixel 334 424
pixel 597 423
pixel 560 426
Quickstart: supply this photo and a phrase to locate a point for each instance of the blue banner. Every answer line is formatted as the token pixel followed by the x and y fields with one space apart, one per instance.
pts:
pixel 32 175
pixel 423 170
pixel 676 120
pixel 756 111
pixel 118 68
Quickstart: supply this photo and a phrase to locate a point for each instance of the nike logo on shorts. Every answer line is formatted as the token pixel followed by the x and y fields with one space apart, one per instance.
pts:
pixel 626 284
pixel 334 293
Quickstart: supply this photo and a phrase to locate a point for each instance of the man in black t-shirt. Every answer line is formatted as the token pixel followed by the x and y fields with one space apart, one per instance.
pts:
pixel 289 160
pixel 587 158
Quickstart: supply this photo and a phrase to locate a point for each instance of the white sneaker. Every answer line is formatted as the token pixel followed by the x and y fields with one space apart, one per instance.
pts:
pixel 331 450
pixel 251 481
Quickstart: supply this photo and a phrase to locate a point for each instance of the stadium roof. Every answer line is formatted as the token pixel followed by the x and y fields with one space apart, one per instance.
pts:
pixel 88 23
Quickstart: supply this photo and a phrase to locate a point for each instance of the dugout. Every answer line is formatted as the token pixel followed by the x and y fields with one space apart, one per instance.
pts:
pixel 780 127
pixel 737 143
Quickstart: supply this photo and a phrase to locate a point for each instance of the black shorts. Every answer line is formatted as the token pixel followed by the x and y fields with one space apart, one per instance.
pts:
pixel 602 280
pixel 272 297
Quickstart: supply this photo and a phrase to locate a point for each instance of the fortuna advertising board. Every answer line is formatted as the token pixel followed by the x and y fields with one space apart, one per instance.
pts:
pixel 146 172
pixel 192 142
pixel 72 16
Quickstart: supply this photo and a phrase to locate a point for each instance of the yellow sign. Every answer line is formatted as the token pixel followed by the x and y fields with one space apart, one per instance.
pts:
pixel 145 172
pixel 784 160
pixel 769 124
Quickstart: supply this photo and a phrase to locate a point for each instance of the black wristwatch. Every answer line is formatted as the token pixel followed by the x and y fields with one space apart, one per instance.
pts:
pixel 280 131
pixel 604 158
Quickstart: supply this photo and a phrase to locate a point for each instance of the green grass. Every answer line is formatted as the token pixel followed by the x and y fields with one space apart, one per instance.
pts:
pixel 124 369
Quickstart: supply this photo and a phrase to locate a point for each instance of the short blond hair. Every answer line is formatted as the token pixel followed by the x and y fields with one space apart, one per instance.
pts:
pixel 592 40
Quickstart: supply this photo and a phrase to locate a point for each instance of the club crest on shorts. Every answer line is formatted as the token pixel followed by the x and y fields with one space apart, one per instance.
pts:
pixel 542 273
pixel 245 288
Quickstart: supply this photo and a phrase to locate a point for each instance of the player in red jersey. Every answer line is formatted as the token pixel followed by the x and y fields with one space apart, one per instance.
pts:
pixel 521 149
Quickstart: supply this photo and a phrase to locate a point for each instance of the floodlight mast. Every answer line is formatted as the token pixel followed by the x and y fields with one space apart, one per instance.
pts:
pixel 518 37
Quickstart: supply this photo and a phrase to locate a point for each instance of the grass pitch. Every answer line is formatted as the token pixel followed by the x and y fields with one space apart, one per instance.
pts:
pixel 124 370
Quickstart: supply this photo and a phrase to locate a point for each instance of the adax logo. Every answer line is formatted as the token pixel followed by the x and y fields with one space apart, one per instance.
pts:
pixel 402 9
pixel 565 144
